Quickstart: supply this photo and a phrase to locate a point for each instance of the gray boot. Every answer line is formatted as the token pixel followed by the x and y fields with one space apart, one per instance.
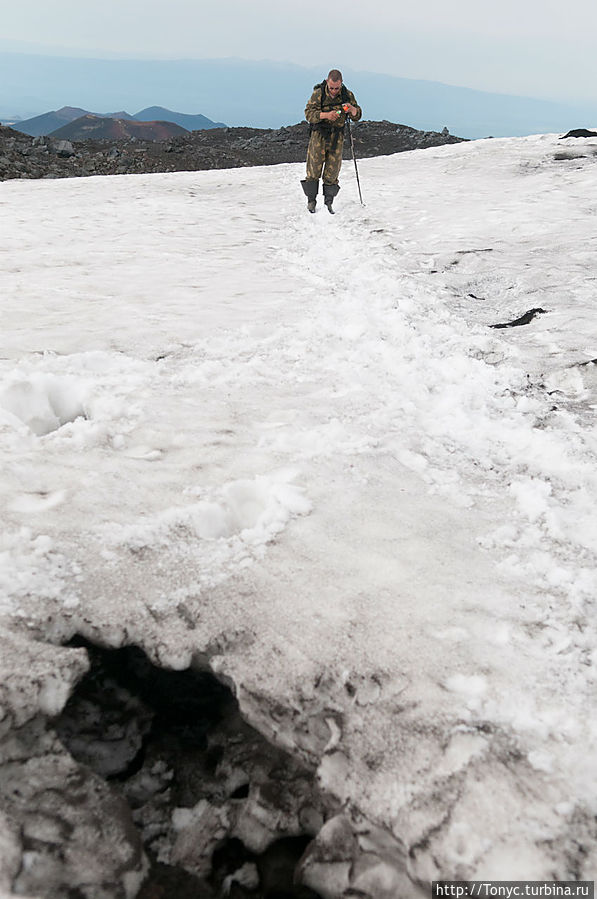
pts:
pixel 329 192
pixel 310 188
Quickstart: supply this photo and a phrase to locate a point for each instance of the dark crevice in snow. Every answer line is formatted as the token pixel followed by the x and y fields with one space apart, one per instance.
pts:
pixel 569 156
pixel 524 319
pixel 220 811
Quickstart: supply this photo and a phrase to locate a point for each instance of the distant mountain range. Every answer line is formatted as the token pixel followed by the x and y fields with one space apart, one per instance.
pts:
pixel 268 94
pixel 188 122
pixel 153 123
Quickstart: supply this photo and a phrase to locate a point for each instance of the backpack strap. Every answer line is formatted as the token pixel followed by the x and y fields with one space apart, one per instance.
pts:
pixel 320 87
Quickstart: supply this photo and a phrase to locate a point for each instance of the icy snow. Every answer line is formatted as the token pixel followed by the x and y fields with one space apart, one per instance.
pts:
pixel 295 443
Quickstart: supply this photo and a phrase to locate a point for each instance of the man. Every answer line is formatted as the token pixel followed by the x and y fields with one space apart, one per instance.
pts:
pixel 327 111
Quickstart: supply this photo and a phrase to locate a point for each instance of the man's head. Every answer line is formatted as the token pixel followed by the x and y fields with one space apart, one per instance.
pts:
pixel 334 82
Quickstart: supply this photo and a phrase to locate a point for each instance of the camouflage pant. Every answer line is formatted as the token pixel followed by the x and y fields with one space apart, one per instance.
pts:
pixel 325 152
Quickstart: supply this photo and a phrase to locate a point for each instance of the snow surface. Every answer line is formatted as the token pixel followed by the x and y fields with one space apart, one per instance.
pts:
pixel 294 445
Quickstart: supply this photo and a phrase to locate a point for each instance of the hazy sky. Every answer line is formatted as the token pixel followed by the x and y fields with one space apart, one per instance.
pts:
pixel 540 48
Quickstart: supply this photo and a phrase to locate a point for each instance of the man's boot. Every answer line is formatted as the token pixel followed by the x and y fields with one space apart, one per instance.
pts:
pixel 311 188
pixel 329 192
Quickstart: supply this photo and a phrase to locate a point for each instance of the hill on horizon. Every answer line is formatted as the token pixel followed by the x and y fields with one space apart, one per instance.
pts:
pixel 48 122
pixel 106 128
pixel 196 122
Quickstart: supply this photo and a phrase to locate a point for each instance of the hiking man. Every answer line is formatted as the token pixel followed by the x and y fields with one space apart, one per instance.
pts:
pixel 327 111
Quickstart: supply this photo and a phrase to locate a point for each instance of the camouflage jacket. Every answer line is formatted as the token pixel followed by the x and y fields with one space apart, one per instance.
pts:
pixel 315 106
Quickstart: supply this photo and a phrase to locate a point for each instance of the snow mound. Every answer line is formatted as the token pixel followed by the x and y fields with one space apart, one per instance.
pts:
pixel 44 402
pixel 253 510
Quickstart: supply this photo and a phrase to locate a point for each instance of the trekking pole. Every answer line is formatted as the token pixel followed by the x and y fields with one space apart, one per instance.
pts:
pixel 354 159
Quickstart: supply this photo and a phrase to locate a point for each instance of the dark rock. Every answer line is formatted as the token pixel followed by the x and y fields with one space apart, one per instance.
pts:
pixel 220 812
pixel 65 832
pixel 168 882
pixel 213 148
pixel 64 149
pixel 579 132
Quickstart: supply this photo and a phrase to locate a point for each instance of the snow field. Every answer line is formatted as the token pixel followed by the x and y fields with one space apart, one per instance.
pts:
pixel 206 376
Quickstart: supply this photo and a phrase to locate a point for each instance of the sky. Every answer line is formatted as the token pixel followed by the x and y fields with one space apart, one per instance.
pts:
pixel 291 447
pixel 539 48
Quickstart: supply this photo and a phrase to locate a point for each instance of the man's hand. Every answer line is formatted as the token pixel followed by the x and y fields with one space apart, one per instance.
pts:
pixel 333 115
